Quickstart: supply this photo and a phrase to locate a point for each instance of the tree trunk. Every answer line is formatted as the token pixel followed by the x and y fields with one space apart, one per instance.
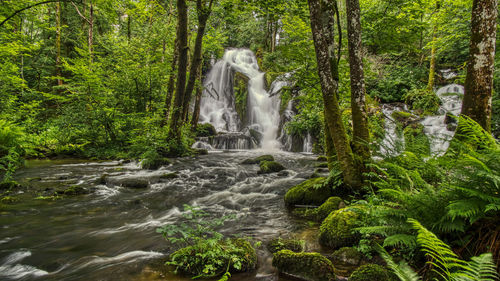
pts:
pixel 58 44
pixel 171 81
pixel 480 67
pixel 329 147
pixel 321 14
pixel 361 135
pixel 182 40
pixel 432 65
pixel 195 67
pixel 197 102
pixel 91 31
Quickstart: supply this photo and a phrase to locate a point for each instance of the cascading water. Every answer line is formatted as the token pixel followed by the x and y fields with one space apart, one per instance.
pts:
pixel 436 127
pixel 393 142
pixel 218 101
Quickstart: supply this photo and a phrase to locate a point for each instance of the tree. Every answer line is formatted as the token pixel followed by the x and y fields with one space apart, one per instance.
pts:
pixel 361 135
pixel 322 27
pixel 182 45
pixel 480 67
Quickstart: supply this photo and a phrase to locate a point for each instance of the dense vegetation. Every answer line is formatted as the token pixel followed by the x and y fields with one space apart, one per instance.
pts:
pixel 112 79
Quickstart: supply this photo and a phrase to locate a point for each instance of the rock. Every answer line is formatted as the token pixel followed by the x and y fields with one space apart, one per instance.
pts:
pixel 322 165
pixel 134 183
pixel 8 185
pixel 284 174
pixel 336 231
pixel 102 179
pixel 309 192
pixel 168 176
pixel 370 272
pixel 346 260
pixel 205 130
pixel 201 151
pixel 74 190
pixel 267 167
pixel 279 244
pixel 322 158
pixel 332 204
pixel 259 159
pixel 307 266
pixel 152 160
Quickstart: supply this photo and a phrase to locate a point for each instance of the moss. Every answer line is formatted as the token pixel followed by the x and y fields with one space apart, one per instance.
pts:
pixel 401 115
pixel 200 151
pixel 370 272
pixel 279 244
pixel 205 130
pixel 346 260
pixel 267 167
pixel 309 192
pixel 337 229
pixel 332 204
pixel 415 139
pixel 321 165
pixel 8 185
pixel 322 158
pixel 306 213
pixel 9 200
pixel 259 159
pixel 152 160
pixel 308 266
pixel 75 190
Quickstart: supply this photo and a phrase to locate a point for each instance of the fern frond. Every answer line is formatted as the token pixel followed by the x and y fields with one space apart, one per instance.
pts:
pixel 402 270
pixel 401 240
pixel 479 268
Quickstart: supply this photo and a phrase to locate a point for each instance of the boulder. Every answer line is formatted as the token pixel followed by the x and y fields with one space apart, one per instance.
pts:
pixel 307 266
pixel 169 176
pixel 309 192
pixel 259 159
pixel 370 272
pixel 337 230
pixel 279 244
pixel 135 183
pixel 332 204
pixel 205 130
pixel 267 167
pixel 346 260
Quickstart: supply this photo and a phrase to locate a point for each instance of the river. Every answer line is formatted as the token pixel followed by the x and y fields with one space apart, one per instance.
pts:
pixel 110 234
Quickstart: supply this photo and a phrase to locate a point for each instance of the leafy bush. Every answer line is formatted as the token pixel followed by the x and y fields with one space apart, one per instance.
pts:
pixel 423 100
pixel 12 150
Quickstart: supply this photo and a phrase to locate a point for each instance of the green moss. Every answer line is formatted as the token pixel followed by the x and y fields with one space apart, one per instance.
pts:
pixel 332 204
pixel 415 139
pixel 310 192
pixel 259 159
pixel 346 260
pixel 279 244
pixel 322 165
pixel 309 266
pixel 322 158
pixel 152 160
pixel 370 272
pixel 75 190
pixel 9 200
pixel 205 130
pixel 169 176
pixel 337 229
pixel 267 167
pixel 401 115
pixel 8 185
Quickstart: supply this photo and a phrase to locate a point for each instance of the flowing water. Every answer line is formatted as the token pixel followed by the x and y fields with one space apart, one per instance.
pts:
pixel 110 233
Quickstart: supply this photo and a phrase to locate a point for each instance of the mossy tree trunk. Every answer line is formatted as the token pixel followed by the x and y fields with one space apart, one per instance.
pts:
pixel 480 67
pixel 171 82
pixel 58 44
pixel 361 135
pixel 432 65
pixel 203 10
pixel 329 147
pixel 182 48
pixel 322 26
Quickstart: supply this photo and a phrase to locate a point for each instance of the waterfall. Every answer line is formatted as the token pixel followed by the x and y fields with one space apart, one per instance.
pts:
pixel 436 127
pixel 393 142
pixel 218 100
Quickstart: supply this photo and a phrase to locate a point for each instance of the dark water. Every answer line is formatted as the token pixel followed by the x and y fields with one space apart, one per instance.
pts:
pixel 110 233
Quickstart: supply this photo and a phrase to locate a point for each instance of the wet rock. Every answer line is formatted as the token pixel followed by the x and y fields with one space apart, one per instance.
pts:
pixel 284 174
pixel 306 266
pixel 153 160
pixel 74 190
pixel 169 176
pixel 267 167
pixel 205 130
pixel 200 151
pixel 370 272
pixel 259 159
pixel 322 158
pixel 337 230
pixel 8 185
pixel 322 165
pixel 134 183
pixel 102 179
pixel 279 244
pixel 309 192
pixel 346 260
pixel 332 204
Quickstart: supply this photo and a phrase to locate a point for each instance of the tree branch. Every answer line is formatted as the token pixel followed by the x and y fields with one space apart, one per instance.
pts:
pixel 29 7
pixel 78 11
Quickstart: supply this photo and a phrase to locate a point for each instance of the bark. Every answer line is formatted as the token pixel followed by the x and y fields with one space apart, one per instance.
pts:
pixel 432 65
pixel 171 81
pixel 361 135
pixel 480 67
pixel 197 102
pixel 182 40
pixel 58 43
pixel 195 66
pixel 91 31
pixel 321 15
pixel 329 147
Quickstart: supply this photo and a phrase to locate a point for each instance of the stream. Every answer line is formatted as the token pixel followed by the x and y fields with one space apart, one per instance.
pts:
pixel 110 234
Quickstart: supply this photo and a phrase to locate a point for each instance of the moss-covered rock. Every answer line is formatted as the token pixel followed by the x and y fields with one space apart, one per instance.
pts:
pixel 307 266
pixel 309 192
pixel 267 167
pixel 169 176
pixel 370 272
pixel 337 230
pixel 194 260
pixel 346 260
pixel 279 244
pixel 332 204
pixel 135 183
pixel 201 151
pixel 8 185
pixel 205 130
pixel 75 190
pixel 9 200
pixel 152 160
pixel 321 165
pixel 259 159
pixel 322 158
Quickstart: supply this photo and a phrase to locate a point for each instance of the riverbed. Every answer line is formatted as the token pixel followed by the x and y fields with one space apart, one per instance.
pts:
pixel 110 234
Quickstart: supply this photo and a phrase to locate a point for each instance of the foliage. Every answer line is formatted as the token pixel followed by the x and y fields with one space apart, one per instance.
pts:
pixel 12 149
pixel 423 100
pixel 206 253
pixel 369 272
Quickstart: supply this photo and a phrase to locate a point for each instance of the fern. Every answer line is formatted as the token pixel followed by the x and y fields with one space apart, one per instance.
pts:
pixel 479 268
pixel 402 270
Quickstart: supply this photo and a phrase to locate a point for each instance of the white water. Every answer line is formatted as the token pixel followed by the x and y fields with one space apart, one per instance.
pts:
pixel 393 142
pixel 218 101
